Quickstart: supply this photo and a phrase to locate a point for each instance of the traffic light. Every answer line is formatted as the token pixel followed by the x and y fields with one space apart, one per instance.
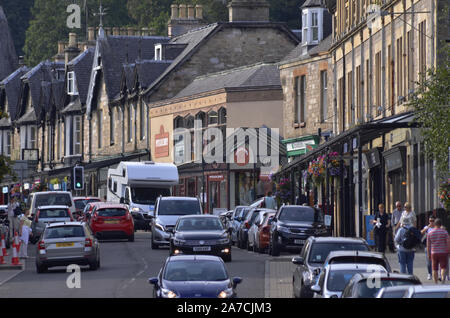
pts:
pixel 78 178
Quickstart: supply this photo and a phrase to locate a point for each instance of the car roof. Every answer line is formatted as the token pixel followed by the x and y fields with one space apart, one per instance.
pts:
pixel 47 207
pixel 430 288
pixel 350 266
pixel 325 239
pixel 52 192
pixel 180 198
pixel 64 224
pixel 103 205
pixel 85 198
pixel 333 254
pixel 193 258
pixel 210 216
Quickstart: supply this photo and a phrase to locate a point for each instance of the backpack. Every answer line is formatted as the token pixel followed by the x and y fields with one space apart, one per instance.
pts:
pixel 411 238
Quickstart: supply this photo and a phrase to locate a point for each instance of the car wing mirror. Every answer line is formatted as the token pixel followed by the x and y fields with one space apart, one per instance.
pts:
pixel 153 281
pixel 316 288
pixel 298 260
pixel 236 281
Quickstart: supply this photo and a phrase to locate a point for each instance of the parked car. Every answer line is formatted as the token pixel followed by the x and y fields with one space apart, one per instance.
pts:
pixel 428 291
pixel 166 214
pixel 257 203
pixel 140 222
pixel 67 243
pixel 87 212
pixel 292 225
pixel 334 277
pixel 392 292
pixel 312 258
pixel 49 198
pixel 239 214
pixel 259 228
pixel 361 257
pixel 194 276
pixel 359 287
pixel 112 220
pixel 201 234
pixel 80 202
pixel 242 236
pixel 49 214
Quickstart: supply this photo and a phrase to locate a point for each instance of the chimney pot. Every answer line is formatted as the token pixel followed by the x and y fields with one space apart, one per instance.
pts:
pixel 144 31
pixel 91 34
pixel 123 31
pixel 116 31
pixel 182 11
pixel 107 31
pixel 131 31
pixel 174 8
pixel 199 12
pixel 61 47
pixel 190 11
pixel 73 40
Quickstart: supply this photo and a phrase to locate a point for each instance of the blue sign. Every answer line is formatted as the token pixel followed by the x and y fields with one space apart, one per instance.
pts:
pixel 370 236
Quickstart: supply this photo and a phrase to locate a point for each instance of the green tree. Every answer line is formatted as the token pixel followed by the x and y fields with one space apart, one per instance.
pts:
pixel 431 104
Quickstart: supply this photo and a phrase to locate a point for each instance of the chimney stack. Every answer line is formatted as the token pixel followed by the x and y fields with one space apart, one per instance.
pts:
pixel 73 40
pixel 199 12
pixel 248 10
pixel 144 31
pixel 91 34
pixel 72 49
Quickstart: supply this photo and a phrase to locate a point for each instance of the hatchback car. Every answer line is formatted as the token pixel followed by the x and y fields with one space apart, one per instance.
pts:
pixel 80 202
pixel 50 198
pixel 312 258
pixel 49 214
pixel 112 220
pixel 429 291
pixel 334 278
pixel 67 243
pixel 292 225
pixel 239 214
pixel 194 276
pixel 242 235
pixel 201 234
pixel 361 257
pixel 359 285
pixel 86 215
pixel 259 229
pixel 392 292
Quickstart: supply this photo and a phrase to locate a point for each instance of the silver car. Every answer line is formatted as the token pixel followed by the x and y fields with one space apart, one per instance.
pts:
pixel 66 243
pixel 428 291
pixel 334 278
pixel 49 214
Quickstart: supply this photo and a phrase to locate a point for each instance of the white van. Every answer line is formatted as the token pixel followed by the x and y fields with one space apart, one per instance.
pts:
pixel 139 184
pixel 48 198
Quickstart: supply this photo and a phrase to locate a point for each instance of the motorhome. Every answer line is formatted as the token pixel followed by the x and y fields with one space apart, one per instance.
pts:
pixel 139 184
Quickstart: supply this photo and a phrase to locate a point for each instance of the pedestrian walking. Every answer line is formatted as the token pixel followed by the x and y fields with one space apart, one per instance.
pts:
pixel 382 223
pixel 390 235
pixel 269 201
pixel 13 217
pixel 25 232
pixel 406 239
pixel 427 229
pixel 438 246
pixel 408 216
pixel 396 216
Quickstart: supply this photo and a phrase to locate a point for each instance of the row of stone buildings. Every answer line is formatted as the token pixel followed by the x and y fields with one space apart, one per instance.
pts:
pixel 340 84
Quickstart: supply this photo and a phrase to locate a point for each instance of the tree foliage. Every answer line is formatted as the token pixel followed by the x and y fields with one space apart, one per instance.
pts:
pixel 431 104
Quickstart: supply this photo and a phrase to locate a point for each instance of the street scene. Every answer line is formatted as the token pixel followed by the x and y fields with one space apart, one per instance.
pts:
pixel 219 149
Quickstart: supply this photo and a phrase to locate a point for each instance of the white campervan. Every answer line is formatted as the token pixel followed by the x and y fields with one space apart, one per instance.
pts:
pixel 138 184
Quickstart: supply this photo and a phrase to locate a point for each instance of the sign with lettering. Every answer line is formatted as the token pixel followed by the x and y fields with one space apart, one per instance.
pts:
pixel 162 143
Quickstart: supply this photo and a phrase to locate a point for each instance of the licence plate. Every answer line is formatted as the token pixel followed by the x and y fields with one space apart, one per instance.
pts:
pixel 299 241
pixel 64 244
pixel 202 249
pixel 112 222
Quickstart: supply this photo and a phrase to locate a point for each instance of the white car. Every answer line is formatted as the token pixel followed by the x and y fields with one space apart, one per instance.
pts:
pixel 428 291
pixel 254 231
pixel 334 278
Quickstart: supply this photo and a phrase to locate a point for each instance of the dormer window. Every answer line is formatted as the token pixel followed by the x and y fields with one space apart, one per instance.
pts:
pixel 158 52
pixel 71 84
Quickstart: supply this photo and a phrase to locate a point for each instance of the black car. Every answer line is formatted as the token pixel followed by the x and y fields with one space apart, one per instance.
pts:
pixel 140 222
pixel 242 234
pixel 363 285
pixel 194 276
pixel 312 259
pixel 201 234
pixel 292 225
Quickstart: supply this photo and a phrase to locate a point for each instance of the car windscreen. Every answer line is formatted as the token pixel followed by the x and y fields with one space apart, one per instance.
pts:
pixel 338 279
pixel 199 224
pixel 148 196
pixel 64 232
pixel 53 199
pixel 365 290
pixel 111 212
pixel 238 212
pixel 80 204
pixel 53 213
pixel 195 270
pixel 441 294
pixel 178 207
pixel 300 214
pixel 319 251
pixel 244 213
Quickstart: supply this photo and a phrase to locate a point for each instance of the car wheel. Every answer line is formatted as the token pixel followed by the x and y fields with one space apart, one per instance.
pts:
pixel 131 238
pixel 249 248
pixel 41 269
pixel 275 249
pixel 255 249
pixel 304 293
pixel 154 245
pixel 293 288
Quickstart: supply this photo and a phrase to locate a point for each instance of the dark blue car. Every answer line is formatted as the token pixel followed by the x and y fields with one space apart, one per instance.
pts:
pixel 194 276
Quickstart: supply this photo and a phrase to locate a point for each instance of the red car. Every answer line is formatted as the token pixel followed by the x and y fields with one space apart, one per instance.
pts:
pixel 112 220
pixel 263 234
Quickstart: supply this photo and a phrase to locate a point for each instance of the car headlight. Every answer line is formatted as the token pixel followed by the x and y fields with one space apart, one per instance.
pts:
pixel 166 293
pixel 179 242
pixel 136 209
pixel 223 241
pixel 227 293
pixel 160 227
pixel 282 229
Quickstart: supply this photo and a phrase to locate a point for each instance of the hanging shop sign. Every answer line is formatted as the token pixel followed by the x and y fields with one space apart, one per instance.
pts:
pixel 394 158
pixel 300 146
pixel 373 157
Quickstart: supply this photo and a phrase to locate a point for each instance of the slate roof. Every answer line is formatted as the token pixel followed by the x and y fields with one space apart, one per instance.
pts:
pixel 8 57
pixel 259 75
pixel 73 107
pixel 82 66
pixel 11 88
pixel 296 53
pixel 312 3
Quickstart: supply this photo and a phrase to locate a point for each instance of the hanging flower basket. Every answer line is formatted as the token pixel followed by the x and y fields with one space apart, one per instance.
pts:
pixel 333 164
pixel 316 170
pixel 283 191
pixel 444 194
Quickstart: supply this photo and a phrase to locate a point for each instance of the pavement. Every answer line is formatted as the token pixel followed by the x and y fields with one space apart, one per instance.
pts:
pixel 9 271
pixel 279 273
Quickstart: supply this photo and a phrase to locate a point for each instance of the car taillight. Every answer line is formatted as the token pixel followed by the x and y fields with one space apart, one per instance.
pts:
pixel 265 229
pixel 247 225
pixel 41 245
pixel 88 243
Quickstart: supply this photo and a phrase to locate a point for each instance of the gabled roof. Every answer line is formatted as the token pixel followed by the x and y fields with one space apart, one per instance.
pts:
pixel 259 75
pixel 8 57
pixel 82 66
pixel 10 86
